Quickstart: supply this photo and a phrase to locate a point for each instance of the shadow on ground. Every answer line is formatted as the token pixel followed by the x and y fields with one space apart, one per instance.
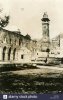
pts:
pixel 14 67
pixel 11 83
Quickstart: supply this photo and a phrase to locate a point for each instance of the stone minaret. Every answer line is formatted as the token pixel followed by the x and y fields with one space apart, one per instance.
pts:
pixel 45 32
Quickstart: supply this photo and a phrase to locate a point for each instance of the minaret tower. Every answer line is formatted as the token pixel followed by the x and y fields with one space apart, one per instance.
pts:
pixel 45 32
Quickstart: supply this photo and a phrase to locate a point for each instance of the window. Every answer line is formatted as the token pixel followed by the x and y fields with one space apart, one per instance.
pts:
pixel 10 41
pixel 37 53
pixel 52 52
pixel 22 56
pixel 58 52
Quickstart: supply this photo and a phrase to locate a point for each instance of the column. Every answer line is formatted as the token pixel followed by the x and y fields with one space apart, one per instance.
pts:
pixel 16 55
pixel 6 55
pixel 11 55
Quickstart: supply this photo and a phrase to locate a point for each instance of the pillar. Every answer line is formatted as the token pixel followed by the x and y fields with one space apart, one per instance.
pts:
pixel 11 56
pixel 6 55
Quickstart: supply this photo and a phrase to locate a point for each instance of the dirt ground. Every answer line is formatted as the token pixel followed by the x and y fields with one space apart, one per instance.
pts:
pixel 44 80
pixel 45 71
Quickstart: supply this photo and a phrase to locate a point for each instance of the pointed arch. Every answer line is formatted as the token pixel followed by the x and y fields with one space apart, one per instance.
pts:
pixel 14 54
pixel 4 52
pixel 9 53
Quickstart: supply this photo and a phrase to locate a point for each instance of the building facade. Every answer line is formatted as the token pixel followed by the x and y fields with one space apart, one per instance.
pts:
pixel 10 44
pixel 16 48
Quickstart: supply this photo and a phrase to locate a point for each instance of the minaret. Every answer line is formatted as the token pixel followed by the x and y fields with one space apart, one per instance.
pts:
pixel 45 32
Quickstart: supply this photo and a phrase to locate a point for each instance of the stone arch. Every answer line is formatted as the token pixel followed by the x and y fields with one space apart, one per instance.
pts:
pixel 9 53
pixel 4 52
pixel 14 54
pixel 19 42
pixel 10 41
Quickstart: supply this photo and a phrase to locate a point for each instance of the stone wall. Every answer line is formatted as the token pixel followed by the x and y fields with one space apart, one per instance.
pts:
pixel 10 44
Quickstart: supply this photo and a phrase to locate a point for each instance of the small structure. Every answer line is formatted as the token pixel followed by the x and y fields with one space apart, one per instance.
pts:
pixel 24 55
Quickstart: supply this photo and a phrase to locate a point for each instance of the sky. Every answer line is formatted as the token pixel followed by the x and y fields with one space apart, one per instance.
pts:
pixel 26 15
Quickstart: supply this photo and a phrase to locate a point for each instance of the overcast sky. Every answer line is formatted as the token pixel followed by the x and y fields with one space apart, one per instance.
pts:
pixel 26 15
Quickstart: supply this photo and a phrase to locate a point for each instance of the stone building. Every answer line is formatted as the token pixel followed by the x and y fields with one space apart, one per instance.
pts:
pixel 24 55
pixel 10 44
pixel 56 48
pixel 17 48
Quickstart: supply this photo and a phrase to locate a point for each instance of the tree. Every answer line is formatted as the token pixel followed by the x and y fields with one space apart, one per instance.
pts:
pixel 4 21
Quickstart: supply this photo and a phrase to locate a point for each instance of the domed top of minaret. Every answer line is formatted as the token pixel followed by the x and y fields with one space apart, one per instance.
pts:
pixel 45 17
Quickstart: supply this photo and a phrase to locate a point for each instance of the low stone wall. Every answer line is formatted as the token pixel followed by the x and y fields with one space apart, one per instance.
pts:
pixel 53 60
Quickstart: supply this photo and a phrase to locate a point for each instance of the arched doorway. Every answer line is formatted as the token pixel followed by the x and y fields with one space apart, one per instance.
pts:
pixel 4 52
pixel 19 42
pixel 14 54
pixel 9 53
